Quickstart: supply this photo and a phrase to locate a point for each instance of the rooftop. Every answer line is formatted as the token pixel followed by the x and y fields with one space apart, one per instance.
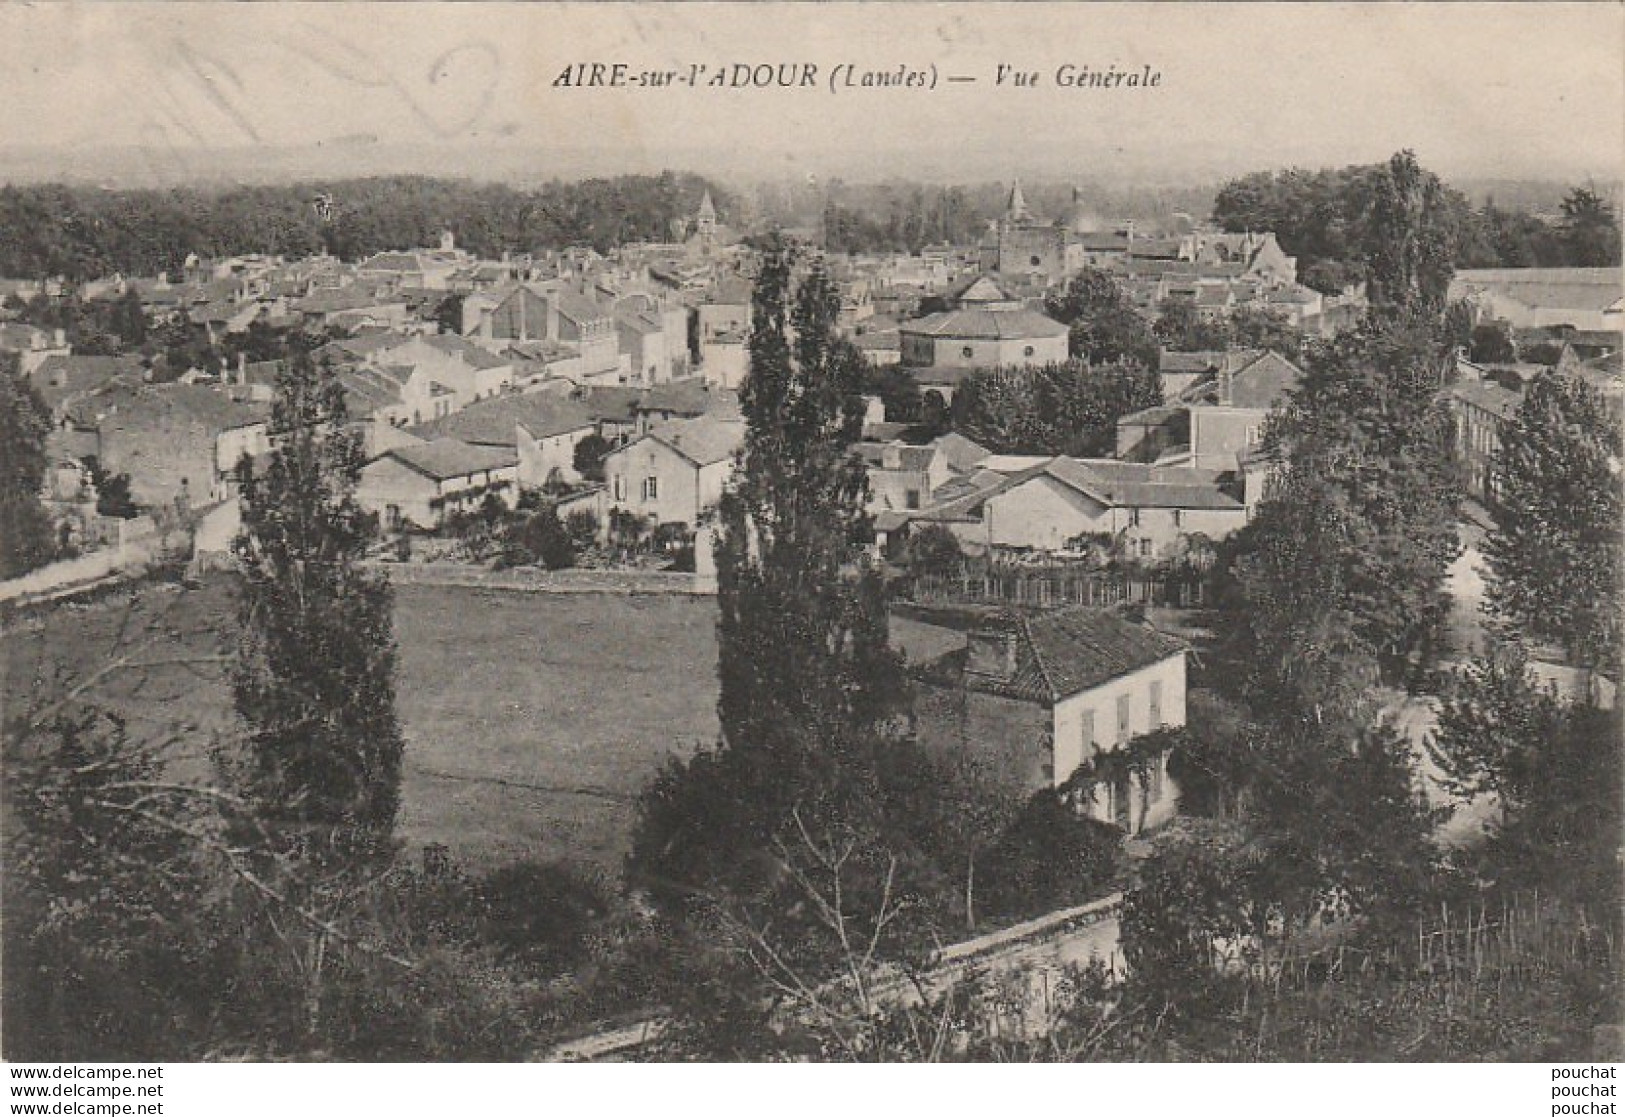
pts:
pixel 980 323
pixel 494 421
pixel 1058 653
pixel 445 458
pixel 703 441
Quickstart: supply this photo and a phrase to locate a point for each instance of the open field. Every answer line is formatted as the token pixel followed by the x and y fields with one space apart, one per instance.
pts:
pixel 531 720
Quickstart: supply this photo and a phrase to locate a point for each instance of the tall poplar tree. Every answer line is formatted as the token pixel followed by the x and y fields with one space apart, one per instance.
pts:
pixel 315 676
pixel 1343 567
pixel 1410 240
pixel 25 529
pixel 812 697
pixel 1555 553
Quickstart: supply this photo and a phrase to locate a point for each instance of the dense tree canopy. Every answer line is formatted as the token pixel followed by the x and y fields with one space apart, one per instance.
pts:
pixel 1180 326
pixel 1410 240
pixel 1555 553
pixel 903 219
pixel 25 529
pixel 1342 569
pixel 1330 220
pixel 1589 231
pixel 1103 326
pixel 1069 408
pixel 315 678
pixel 85 233
pixel 810 690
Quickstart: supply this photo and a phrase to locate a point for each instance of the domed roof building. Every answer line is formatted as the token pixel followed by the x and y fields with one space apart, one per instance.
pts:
pixel 984 328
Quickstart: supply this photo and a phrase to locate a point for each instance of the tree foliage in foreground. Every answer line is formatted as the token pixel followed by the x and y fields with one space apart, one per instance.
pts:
pixel 1555 555
pixel 25 528
pixel 811 694
pixel 1341 572
pixel 1555 766
pixel 315 677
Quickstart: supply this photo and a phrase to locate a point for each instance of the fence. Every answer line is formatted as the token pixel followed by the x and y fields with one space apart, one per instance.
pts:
pixel 530 579
pixel 1006 585
pixel 141 543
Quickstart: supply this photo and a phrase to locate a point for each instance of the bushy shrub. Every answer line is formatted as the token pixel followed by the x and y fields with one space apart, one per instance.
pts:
pixel 582 527
pixel 933 549
pixel 1049 857
pixel 1190 920
pixel 539 537
pixel 537 913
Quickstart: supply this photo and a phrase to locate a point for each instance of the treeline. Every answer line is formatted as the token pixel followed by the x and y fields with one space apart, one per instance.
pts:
pixel 83 233
pixel 1069 408
pixel 1328 219
pixel 906 219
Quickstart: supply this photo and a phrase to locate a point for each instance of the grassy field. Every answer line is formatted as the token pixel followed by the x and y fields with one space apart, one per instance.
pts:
pixel 532 720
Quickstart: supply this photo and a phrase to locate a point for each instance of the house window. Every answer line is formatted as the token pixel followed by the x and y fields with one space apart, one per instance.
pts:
pixel 1145 548
pixel 620 487
pixel 1122 797
pixel 1034 261
pixel 651 488
pixel 1133 517
pixel 1027 352
pixel 1154 777
pixel 1156 703
pixel 1177 517
pixel 967 352
pixel 1122 718
pixel 1252 436
pixel 1086 733
pixel 911 498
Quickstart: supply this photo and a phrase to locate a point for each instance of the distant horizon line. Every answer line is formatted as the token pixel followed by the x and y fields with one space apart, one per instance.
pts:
pixel 46 163
pixel 236 176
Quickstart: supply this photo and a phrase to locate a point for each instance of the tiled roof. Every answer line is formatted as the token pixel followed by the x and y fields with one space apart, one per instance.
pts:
pixel 961 500
pixel 343 298
pixel 1552 288
pixel 540 350
pixel 1259 383
pixel 878 340
pixel 1078 649
pixel 1133 485
pixel 982 323
pixel 1059 653
pixel 686 397
pixel 156 407
pixel 1487 395
pixel 393 261
pixel 577 307
pixel 445 458
pixel 494 421
pixel 961 452
pixel 611 402
pixel 976 289
pixel 471 354
pixel 81 374
pixel 703 441
pixel 639 322
pixel 366 390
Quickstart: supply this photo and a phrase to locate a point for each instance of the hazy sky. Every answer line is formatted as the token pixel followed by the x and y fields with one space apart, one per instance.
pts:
pixel 1500 89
